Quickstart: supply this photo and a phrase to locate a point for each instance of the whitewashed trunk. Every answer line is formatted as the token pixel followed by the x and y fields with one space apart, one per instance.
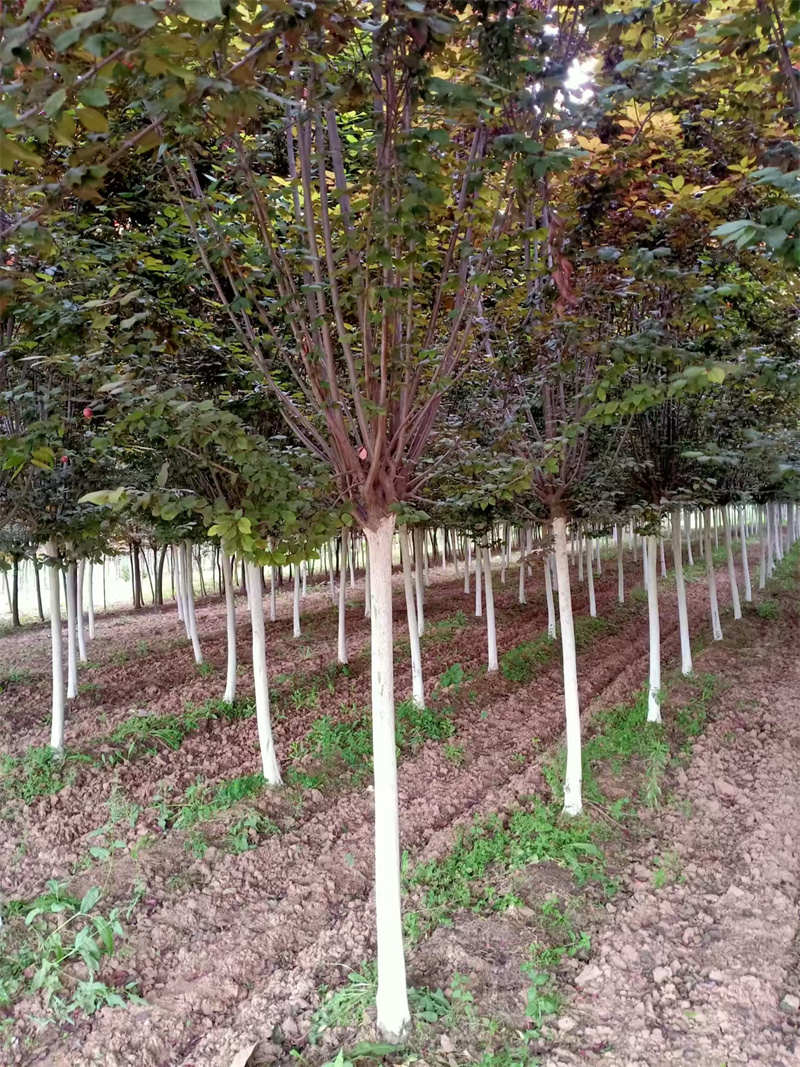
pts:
pixel 177 588
pixel 72 627
pixel 580 556
pixel 654 681
pixel 393 1016
pixel 748 587
pixel 590 578
pixel 90 601
pixel 419 578
pixel 548 592
pixel 82 657
pixel 680 590
pixel 188 587
pixel 417 682
pixel 478 582
pixel 716 627
pixel 341 639
pixel 366 586
pixel 467 564
pixel 521 593
pixel 689 556
pixel 573 802
pixel 737 607
pixel 331 573
pixel 491 627
pixel 645 565
pixel 620 568
pixel 663 557
pixel 763 552
pixel 770 527
pixel 230 628
pixel 296 582
pixel 57 658
pixel 269 759
pixel 273 593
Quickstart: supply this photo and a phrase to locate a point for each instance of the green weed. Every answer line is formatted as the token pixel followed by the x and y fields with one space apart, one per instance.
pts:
pixel 768 609
pixel 38 773
pixel 523 662
pixel 40 941
pixel 246 832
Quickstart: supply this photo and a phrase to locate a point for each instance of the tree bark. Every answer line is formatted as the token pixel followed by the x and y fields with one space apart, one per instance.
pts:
pixel 716 628
pixel 230 628
pixel 419 577
pixel 79 611
pixel 737 606
pixel 654 683
pixel 590 578
pixel 417 681
pixel 188 585
pixel 57 661
pixel 393 1017
pixel 491 627
pixel 341 642
pixel 269 759
pixel 680 589
pixel 573 802
pixel 72 651
pixel 39 607
pixel 748 588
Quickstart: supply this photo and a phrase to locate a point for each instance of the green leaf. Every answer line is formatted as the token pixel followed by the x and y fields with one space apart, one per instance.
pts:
pixel 93 96
pixel 202 10
pixel 92 120
pixel 141 16
pixel 90 898
pixel 55 102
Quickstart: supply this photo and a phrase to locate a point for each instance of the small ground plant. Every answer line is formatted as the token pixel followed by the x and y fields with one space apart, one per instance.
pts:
pixel 42 941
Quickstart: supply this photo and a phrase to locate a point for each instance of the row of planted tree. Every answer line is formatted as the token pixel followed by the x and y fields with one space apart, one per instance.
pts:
pixel 272 272
pixel 774 527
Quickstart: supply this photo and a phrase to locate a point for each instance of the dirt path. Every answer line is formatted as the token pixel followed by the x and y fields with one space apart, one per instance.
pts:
pixel 697 971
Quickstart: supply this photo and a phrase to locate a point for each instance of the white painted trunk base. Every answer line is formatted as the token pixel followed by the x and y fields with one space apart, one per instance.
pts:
pixel 393 1016
pixel 269 760
pixel 654 682
pixel 230 628
pixel 573 802
pixel 57 659
pixel 417 682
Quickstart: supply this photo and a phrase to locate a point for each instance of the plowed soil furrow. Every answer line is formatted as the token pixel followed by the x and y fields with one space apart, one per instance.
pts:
pixel 219 937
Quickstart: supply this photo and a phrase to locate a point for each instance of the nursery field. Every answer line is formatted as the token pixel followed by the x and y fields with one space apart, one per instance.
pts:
pixel 163 906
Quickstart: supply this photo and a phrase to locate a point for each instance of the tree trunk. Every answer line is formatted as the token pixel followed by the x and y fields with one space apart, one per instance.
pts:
pixel 230 628
pixel 491 627
pixel 138 599
pixel 266 743
pixel 39 607
pixel 57 712
pixel 419 550
pixel 200 572
pixel 90 600
pixel 654 684
pixel 366 586
pixel 522 596
pixel 273 594
pixel 620 567
pixel 478 582
pixel 149 579
pixel 680 589
pixel 188 585
pixel 737 606
pixel 748 588
pixel 590 578
pixel 341 643
pixel 716 628
pixel 663 557
pixel 467 564
pixel 79 611
pixel 296 600
pixel 688 519
pixel 548 592
pixel 160 575
pixel 417 681
pixel 573 803
pixel 72 651
pixel 393 1015
pixel 15 592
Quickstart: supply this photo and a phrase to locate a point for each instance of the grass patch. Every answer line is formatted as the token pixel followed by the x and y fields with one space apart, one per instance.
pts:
pixel 588 628
pixel 39 773
pixel 467 877
pixel 524 661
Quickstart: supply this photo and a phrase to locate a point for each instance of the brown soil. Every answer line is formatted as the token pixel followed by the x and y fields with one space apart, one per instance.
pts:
pixel 231 949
